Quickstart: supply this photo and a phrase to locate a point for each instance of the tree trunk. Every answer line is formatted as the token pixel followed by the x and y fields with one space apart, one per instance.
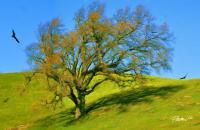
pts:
pixel 80 107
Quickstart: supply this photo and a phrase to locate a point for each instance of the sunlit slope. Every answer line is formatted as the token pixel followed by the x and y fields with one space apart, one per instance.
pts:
pixel 160 104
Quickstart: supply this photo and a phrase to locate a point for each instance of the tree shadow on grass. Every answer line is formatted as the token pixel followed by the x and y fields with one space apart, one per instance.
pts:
pixel 134 96
pixel 58 119
pixel 121 99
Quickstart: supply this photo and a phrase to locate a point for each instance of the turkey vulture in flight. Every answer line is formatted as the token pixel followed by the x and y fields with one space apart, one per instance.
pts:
pixel 184 77
pixel 14 36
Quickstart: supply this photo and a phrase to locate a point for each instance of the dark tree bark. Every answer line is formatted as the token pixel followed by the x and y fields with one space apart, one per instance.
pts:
pixel 80 106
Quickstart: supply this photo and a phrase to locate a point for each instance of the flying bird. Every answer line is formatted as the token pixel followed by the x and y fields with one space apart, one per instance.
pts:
pixel 184 77
pixel 14 36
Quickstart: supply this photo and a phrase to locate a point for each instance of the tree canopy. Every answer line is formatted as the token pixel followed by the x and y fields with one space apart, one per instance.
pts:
pixel 128 43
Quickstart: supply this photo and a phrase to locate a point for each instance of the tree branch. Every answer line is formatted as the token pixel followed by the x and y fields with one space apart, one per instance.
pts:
pixel 96 85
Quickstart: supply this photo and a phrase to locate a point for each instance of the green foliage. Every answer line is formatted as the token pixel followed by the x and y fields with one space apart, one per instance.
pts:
pixel 161 104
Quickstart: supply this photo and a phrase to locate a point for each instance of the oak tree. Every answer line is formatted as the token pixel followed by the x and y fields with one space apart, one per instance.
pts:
pixel 128 43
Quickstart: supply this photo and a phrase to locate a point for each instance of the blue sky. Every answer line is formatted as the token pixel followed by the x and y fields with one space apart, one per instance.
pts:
pixel 182 16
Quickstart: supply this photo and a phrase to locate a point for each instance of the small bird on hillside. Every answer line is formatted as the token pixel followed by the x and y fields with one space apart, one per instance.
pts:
pixel 14 36
pixel 184 77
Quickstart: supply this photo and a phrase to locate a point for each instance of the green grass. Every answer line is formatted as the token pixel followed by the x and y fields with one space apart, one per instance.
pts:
pixel 160 104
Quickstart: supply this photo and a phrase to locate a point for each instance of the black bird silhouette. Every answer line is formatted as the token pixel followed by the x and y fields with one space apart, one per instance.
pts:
pixel 184 77
pixel 14 36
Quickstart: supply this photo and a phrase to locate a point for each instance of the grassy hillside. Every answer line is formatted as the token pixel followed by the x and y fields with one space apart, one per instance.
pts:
pixel 161 104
